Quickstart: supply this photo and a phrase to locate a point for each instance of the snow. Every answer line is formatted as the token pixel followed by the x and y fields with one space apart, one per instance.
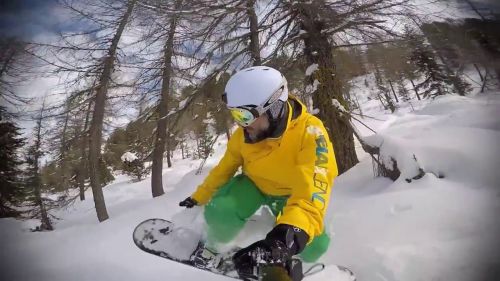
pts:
pixel 128 157
pixel 183 102
pixel 310 69
pixel 339 106
pixel 430 229
pixel 312 88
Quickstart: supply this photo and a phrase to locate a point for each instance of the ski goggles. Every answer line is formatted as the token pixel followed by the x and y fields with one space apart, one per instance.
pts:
pixel 244 116
pixel 247 114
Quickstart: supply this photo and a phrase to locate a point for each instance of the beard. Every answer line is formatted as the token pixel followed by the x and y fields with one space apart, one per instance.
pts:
pixel 255 135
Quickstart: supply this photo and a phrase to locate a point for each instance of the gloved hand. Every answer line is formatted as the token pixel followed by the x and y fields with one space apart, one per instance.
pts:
pixel 263 252
pixel 188 203
pixel 277 249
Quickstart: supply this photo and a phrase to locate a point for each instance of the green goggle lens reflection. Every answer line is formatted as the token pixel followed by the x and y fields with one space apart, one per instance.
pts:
pixel 242 116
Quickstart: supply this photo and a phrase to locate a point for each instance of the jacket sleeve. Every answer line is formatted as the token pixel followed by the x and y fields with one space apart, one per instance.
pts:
pixel 317 168
pixel 221 173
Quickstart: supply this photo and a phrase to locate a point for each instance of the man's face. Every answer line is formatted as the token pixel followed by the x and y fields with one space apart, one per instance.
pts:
pixel 258 127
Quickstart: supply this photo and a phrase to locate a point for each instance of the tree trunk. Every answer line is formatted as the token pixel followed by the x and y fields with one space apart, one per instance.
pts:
pixel 83 167
pixel 478 71
pixel 98 117
pixel 378 78
pixel 254 33
pixel 379 96
pixel 46 225
pixel 393 92
pixel 161 127
pixel 169 155
pixel 484 81
pixel 415 89
pixel 359 107
pixel 62 152
pixel 318 50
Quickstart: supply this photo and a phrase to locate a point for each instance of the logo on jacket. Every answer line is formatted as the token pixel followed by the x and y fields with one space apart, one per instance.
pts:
pixel 320 171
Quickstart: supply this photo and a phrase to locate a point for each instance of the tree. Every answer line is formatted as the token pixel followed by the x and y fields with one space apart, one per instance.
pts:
pixel 89 59
pixel 480 41
pixel 161 129
pixel 435 80
pixel 317 27
pixel 376 57
pixel 10 179
pixel 14 66
pixel 82 169
pixel 33 182
pixel 441 38
pixel 133 166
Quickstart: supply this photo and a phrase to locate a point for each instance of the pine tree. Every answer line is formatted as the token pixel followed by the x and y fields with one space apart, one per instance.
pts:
pixel 134 166
pixel 10 174
pixel 442 39
pixel 435 78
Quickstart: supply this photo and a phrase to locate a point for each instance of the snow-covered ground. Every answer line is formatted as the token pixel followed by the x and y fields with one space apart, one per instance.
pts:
pixel 430 229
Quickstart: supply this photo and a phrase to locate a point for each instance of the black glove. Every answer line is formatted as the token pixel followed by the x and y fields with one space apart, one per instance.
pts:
pixel 277 249
pixel 188 203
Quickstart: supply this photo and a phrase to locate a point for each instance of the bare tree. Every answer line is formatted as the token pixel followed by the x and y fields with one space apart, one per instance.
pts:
pixel 214 29
pixel 87 60
pixel 98 114
pixel 161 128
pixel 82 173
pixel 33 179
pixel 310 29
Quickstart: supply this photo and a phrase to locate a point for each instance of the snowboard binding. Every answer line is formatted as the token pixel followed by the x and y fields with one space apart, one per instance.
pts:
pixel 290 271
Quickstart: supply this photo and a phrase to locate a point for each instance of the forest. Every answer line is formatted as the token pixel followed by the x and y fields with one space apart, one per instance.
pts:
pixel 164 66
pixel 136 83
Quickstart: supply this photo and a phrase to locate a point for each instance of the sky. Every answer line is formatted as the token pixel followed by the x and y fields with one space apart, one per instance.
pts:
pixel 28 18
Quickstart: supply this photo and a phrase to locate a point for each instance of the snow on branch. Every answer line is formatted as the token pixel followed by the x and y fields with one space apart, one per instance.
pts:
pixel 312 88
pixel 339 106
pixel 311 69
pixel 128 157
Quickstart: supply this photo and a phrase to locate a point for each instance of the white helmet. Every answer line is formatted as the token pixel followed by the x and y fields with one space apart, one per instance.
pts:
pixel 252 91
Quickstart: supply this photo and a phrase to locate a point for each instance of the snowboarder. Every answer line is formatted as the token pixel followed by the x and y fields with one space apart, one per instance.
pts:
pixel 287 163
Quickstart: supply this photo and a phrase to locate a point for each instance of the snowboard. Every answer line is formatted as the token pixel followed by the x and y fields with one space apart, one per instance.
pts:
pixel 162 238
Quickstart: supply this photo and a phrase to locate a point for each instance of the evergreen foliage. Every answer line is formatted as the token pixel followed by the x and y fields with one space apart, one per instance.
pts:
pixel 435 80
pixel 11 186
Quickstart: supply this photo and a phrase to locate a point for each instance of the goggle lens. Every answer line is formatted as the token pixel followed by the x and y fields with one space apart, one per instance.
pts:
pixel 242 116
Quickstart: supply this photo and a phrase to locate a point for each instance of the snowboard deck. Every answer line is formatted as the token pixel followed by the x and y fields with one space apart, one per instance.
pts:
pixel 162 238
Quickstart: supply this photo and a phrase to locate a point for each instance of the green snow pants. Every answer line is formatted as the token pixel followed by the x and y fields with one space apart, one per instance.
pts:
pixel 238 200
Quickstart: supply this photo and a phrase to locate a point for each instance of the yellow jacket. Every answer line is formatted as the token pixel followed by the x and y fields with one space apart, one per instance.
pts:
pixel 300 164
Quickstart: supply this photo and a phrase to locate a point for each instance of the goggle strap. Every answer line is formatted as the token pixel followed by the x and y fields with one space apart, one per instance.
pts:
pixel 254 112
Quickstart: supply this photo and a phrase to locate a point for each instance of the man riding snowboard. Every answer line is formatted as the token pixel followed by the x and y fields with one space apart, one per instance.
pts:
pixel 287 163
